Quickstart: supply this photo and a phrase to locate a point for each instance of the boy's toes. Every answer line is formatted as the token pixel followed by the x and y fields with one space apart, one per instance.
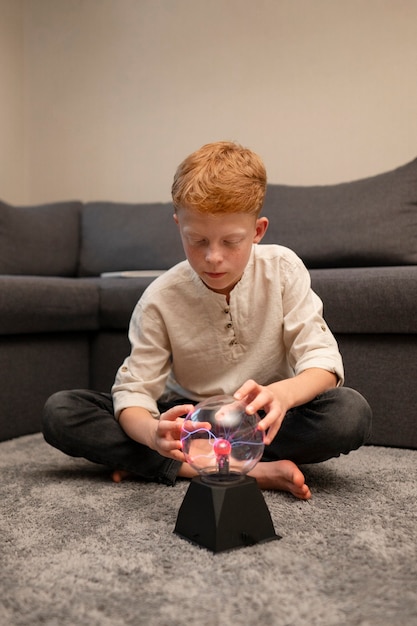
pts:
pixel 118 475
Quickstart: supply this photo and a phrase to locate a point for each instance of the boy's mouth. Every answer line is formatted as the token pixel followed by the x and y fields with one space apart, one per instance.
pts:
pixel 215 275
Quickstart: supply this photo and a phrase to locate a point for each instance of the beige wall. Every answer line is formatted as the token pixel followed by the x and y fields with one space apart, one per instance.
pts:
pixel 12 185
pixel 117 92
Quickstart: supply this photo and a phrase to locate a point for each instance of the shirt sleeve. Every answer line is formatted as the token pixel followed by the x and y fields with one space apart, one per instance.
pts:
pixel 141 378
pixel 307 337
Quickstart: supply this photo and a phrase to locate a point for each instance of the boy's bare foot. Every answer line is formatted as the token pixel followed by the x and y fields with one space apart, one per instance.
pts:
pixel 118 475
pixel 282 475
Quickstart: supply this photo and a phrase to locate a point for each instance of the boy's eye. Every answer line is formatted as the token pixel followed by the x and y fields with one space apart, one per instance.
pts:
pixel 203 242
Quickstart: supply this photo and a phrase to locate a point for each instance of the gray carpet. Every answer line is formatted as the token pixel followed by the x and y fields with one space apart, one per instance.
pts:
pixel 77 549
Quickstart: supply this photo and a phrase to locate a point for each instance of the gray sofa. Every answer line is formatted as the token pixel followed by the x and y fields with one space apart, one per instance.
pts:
pixel 64 325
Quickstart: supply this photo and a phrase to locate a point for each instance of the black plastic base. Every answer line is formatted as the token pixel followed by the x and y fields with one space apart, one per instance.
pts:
pixel 225 515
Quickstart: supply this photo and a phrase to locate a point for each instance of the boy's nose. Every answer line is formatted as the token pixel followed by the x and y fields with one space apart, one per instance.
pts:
pixel 213 255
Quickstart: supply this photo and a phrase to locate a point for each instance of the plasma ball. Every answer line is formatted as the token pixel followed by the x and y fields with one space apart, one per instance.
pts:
pixel 219 438
pixel 222 447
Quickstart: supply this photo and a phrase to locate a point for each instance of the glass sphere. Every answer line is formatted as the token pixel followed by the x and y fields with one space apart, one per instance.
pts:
pixel 220 440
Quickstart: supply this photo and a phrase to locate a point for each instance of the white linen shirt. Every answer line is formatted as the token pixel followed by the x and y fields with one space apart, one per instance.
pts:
pixel 188 342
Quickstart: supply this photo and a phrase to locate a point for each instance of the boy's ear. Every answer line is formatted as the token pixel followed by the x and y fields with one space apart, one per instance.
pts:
pixel 175 216
pixel 260 229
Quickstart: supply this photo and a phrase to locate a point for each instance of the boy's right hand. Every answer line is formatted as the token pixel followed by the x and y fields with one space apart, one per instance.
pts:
pixel 167 435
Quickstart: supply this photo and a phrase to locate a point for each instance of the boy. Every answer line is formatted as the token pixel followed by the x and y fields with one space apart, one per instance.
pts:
pixel 234 318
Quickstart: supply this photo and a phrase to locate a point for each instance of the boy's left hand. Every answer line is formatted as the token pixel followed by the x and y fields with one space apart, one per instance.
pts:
pixel 277 398
pixel 260 397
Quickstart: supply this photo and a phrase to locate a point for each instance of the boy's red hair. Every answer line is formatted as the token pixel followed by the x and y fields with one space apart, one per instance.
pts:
pixel 221 177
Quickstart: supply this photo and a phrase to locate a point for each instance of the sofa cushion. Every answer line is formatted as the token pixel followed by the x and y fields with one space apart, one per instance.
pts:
pixel 121 236
pixel 40 240
pixel 118 298
pixel 35 304
pixel 366 222
pixel 368 299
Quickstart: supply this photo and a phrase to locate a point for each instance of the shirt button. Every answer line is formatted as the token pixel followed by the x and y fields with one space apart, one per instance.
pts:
pixel 226 310
pixel 229 325
pixel 232 342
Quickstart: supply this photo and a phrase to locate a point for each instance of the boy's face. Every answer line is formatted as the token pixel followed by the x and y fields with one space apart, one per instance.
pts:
pixel 218 247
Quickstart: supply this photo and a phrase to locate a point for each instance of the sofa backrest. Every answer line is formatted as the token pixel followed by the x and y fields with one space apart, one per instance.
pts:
pixel 364 223
pixel 124 237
